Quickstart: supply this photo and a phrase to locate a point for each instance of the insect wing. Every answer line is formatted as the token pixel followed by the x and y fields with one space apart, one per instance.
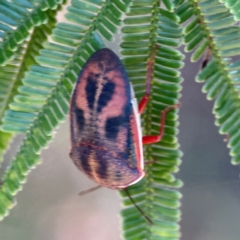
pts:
pixel 137 130
pixel 105 138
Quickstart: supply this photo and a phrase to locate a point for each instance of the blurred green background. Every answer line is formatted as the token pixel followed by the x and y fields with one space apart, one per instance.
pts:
pixel 49 207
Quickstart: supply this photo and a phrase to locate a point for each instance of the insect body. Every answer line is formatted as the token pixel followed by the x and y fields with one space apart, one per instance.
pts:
pixel 106 139
pixel 105 124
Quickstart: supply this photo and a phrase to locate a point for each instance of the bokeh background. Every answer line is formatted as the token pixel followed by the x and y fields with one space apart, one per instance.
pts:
pixel 49 207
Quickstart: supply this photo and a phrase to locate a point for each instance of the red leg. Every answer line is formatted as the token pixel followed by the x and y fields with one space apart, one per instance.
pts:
pixel 143 103
pixel 157 138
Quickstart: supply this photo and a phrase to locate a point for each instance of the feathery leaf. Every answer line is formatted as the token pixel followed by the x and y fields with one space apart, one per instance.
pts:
pixel 146 27
pixel 43 99
pixel 18 19
pixel 220 34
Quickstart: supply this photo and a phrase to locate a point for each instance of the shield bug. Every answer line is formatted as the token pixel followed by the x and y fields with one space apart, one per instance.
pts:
pixel 106 137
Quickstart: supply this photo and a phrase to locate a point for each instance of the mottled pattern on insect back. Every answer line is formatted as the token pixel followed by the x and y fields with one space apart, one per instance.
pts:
pixel 104 134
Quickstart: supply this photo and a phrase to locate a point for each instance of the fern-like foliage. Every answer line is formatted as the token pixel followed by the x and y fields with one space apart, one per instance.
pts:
pixel 213 27
pixel 18 19
pixel 43 99
pixel 41 61
pixel 5 139
pixel 234 7
pixel 13 72
pixel 11 76
pixel 11 82
pixel 148 26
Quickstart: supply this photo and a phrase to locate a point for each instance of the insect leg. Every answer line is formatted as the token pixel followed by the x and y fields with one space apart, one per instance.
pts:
pixel 89 190
pixel 143 102
pixel 138 208
pixel 156 138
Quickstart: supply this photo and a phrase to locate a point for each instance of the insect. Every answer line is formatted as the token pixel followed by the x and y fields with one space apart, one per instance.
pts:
pixel 106 138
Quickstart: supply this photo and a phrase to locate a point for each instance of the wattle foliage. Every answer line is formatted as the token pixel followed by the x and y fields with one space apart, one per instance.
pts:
pixel 41 59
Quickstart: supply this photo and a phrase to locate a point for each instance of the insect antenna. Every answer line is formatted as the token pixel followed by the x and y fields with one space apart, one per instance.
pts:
pixel 89 190
pixel 138 208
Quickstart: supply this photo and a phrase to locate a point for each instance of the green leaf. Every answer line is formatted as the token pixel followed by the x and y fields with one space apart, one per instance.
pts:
pixel 165 87
pixel 18 19
pixel 43 98
pixel 222 73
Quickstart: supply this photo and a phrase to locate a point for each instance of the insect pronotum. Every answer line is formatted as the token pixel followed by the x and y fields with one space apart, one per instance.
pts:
pixel 106 137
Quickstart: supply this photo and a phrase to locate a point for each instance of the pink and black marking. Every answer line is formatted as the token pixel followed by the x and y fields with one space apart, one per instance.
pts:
pixel 105 139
